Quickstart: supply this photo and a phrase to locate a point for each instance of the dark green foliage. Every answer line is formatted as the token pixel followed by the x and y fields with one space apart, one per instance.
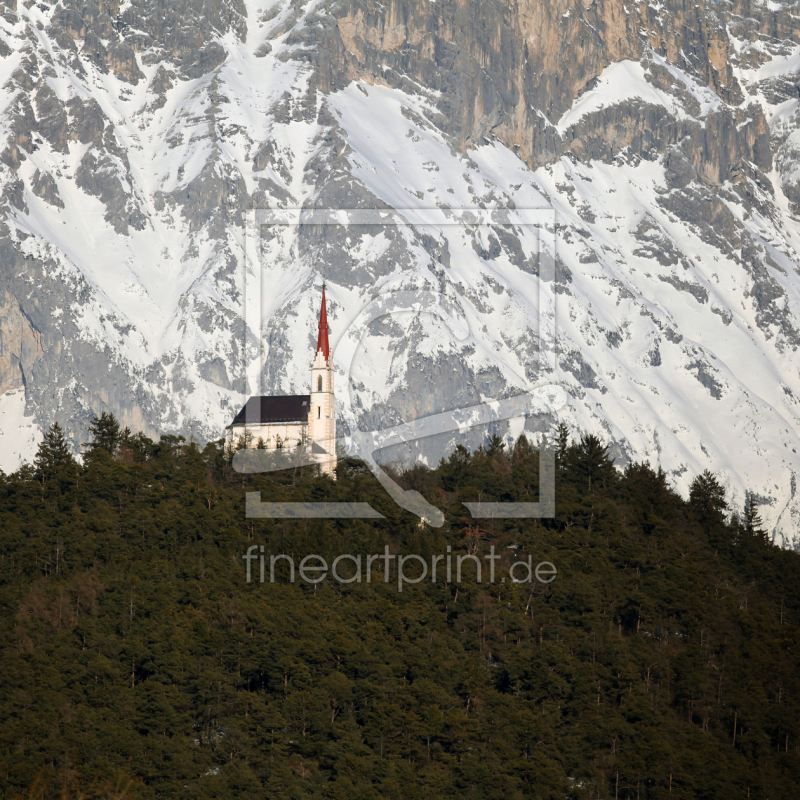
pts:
pixel 661 663
pixel 707 499
pixel 562 444
pixel 54 456
pixel 592 465
pixel 496 445
pixel 752 521
pixel 106 434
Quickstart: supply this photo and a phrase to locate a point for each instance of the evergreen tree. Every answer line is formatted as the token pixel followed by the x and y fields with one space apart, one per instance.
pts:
pixel 245 440
pixel 752 520
pixel 105 433
pixel 454 470
pixel 522 449
pixel 648 492
pixel 562 444
pixel 707 498
pixel 592 463
pixel 140 447
pixel 496 446
pixel 54 455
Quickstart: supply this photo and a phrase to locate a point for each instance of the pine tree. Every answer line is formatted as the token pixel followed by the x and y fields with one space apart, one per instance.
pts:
pixel 707 498
pixel 593 463
pixel 523 449
pixel 54 455
pixel 752 520
pixel 105 432
pixel 141 447
pixel 455 469
pixel 245 441
pixel 496 446
pixel 562 444
pixel 648 490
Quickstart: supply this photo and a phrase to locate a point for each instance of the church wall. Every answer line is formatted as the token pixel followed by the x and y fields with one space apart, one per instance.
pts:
pixel 291 435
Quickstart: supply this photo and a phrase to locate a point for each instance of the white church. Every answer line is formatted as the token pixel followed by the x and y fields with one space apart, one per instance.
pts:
pixel 289 421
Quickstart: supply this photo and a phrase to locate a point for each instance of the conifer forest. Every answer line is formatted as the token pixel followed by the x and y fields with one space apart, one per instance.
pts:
pixel 139 662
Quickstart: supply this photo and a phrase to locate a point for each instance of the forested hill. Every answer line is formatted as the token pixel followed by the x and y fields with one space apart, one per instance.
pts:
pixel 138 661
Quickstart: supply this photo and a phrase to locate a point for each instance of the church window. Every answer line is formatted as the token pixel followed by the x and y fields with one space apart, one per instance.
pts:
pixel 319 412
pixel 319 383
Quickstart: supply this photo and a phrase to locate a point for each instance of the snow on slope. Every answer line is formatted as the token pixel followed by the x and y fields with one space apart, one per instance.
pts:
pixel 19 435
pixel 626 81
pixel 744 424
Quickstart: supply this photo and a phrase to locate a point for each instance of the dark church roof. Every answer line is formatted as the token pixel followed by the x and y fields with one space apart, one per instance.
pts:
pixel 280 409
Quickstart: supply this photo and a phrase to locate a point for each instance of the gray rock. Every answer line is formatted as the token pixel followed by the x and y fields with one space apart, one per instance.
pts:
pixel 694 289
pixel 87 121
pixel 122 60
pixel 706 376
pixel 99 174
pixel 52 119
pixel 43 185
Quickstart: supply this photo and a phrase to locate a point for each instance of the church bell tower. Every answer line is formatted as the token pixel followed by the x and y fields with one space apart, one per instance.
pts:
pixel 321 415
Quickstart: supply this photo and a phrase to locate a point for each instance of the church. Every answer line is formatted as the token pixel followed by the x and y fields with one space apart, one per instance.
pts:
pixel 290 421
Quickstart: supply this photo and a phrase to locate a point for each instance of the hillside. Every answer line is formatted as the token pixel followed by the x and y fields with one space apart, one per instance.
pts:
pixel 135 135
pixel 139 662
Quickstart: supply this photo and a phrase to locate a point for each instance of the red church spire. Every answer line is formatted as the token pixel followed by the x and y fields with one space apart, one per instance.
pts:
pixel 324 330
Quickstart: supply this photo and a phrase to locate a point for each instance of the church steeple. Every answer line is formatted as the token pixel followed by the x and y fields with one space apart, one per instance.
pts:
pixel 322 411
pixel 324 330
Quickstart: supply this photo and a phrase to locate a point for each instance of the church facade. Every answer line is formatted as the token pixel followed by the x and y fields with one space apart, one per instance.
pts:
pixel 277 422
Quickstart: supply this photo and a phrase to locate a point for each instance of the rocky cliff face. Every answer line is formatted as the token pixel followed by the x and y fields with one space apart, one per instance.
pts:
pixel 135 135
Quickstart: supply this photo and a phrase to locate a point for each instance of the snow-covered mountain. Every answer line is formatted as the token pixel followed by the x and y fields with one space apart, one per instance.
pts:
pixel 135 135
